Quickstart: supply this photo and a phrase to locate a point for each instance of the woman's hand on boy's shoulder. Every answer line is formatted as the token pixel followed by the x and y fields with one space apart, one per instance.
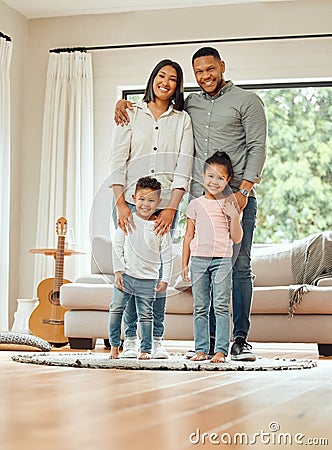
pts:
pixel 163 222
pixel 125 219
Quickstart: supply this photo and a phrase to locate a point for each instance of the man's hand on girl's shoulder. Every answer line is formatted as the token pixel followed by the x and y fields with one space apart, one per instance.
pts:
pixel 120 113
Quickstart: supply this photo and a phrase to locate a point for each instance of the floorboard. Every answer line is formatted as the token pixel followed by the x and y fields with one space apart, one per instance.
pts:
pixel 55 408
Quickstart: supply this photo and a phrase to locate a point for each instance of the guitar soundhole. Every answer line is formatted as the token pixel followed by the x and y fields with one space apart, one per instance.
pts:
pixel 55 297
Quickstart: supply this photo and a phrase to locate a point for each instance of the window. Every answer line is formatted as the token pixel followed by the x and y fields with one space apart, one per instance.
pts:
pixel 295 192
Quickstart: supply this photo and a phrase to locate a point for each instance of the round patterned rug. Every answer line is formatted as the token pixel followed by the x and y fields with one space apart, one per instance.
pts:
pixel 175 362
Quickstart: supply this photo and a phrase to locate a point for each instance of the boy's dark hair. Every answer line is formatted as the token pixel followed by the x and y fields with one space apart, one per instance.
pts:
pixel 206 51
pixel 148 183
pixel 178 97
pixel 220 159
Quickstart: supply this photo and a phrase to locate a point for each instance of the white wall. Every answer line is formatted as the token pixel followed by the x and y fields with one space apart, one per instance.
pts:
pixel 112 68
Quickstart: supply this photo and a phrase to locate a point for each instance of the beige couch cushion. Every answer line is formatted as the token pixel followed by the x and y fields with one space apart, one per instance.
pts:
pixel 86 296
pixel 97 296
pixel 179 302
pixel 275 300
pixel 271 265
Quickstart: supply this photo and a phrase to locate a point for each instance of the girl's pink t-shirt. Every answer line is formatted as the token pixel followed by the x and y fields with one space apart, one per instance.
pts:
pixel 212 228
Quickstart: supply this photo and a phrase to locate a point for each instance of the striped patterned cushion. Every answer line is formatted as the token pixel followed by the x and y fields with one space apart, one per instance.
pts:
pixel 21 341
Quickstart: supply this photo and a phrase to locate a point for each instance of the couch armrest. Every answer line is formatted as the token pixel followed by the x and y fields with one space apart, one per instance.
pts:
pixel 324 282
pixel 101 258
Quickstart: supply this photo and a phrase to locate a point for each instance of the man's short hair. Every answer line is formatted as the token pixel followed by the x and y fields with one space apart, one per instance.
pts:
pixel 206 51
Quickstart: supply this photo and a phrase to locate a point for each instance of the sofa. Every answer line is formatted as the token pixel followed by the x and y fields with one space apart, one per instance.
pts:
pixel 87 301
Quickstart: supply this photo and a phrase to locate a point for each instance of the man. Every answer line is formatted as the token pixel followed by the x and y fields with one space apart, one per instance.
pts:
pixel 227 118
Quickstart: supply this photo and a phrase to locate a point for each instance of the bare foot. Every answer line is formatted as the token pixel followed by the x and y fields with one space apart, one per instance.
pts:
pixel 219 357
pixel 200 356
pixel 144 355
pixel 114 354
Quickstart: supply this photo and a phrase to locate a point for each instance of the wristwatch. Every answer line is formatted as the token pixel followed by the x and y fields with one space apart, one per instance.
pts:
pixel 244 192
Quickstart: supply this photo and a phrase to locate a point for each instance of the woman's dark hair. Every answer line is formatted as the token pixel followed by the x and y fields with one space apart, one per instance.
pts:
pixel 206 51
pixel 178 97
pixel 220 159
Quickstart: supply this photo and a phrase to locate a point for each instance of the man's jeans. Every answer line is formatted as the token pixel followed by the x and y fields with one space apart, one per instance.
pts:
pixel 211 278
pixel 141 293
pixel 242 273
pixel 242 290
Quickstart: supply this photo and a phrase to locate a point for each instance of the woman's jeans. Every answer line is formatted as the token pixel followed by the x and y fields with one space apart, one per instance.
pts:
pixel 242 275
pixel 211 280
pixel 140 292
pixel 159 306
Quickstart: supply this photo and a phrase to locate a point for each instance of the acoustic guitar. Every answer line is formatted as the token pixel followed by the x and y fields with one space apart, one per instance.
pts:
pixel 47 319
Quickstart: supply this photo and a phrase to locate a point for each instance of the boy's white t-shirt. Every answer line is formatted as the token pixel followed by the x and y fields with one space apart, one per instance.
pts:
pixel 212 230
pixel 139 254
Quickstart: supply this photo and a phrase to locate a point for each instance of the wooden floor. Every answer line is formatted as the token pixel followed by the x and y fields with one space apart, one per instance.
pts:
pixel 58 408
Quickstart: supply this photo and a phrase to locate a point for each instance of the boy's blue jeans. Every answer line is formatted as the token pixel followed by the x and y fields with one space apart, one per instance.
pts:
pixel 211 279
pixel 141 293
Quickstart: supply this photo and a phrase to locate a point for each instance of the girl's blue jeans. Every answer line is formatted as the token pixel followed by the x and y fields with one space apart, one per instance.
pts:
pixel 211 281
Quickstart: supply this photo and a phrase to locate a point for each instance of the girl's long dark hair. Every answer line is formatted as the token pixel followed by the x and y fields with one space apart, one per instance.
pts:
pixel 220 159
pixel 178 97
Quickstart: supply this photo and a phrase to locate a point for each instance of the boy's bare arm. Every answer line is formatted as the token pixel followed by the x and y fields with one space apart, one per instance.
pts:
pixel 119 282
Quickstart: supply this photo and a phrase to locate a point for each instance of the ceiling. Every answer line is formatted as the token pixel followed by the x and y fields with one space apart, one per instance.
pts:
pixel 33 9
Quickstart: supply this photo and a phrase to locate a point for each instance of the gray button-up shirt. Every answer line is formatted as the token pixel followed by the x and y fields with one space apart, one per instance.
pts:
pixel 233 121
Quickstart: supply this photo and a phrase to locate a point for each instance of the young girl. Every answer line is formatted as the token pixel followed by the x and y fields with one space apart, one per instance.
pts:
pixel 213 225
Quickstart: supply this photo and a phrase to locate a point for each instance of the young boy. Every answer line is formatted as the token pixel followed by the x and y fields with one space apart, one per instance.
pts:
pixel 137 257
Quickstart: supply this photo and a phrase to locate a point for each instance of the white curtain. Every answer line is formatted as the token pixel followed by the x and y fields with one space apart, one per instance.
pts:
pixel 66 177
pixel 5 59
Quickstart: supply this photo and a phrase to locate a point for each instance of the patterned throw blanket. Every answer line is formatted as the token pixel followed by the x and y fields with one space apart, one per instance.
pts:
pixel 311 260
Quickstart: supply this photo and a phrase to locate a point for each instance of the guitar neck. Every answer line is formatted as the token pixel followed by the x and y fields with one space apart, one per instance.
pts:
pixel 59 261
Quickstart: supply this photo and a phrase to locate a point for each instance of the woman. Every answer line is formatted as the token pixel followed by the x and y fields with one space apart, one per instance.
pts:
pixel 158 142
